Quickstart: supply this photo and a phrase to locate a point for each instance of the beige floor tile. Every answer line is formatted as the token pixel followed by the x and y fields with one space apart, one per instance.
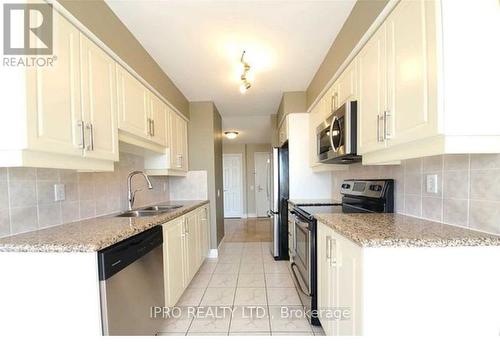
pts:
pixel 223 280
pixel 200 280
pixel 191 297
pixel 160 334
pixel 277 267
pixel 210 325
pixel 254 319
pixel 279 280
pixel 218 297
pixel 227 268
pixel 229 259
pixel 250 296
pixel 295 334
pixel 288 321
pixel 252 268
pixel 205 334
pixel 249 334
pixel 208 267
pixel 283 296
pixel 247 280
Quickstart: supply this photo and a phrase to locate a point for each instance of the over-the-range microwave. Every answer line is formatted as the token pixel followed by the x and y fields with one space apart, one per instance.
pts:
pixel 337 136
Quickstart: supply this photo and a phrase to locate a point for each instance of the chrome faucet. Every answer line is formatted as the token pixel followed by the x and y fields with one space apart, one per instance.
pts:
pixel 131 195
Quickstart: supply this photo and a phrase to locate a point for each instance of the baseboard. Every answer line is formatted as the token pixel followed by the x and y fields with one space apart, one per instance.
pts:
pixel 213 253
pixel 252 215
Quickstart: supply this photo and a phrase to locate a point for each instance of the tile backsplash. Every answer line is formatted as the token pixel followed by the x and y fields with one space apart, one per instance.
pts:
pixel 468 188
pixel 27 194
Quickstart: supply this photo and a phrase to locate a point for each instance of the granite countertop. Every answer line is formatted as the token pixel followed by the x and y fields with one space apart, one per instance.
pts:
pixel 396 230
pixel 91 235
pixel 314 201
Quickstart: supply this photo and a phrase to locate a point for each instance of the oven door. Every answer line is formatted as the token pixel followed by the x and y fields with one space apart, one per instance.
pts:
pixel 302 253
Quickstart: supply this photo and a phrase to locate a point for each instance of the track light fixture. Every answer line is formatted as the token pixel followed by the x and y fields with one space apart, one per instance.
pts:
pixel 245 74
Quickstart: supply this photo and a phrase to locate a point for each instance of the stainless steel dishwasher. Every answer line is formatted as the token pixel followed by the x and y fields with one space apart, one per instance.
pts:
pixel 130 283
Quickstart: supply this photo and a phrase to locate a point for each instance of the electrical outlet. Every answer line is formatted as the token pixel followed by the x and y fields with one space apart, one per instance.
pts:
pixel 432 183
pixel 59 192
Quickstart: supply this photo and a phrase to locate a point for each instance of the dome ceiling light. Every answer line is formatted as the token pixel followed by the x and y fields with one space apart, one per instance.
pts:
pixel 231 135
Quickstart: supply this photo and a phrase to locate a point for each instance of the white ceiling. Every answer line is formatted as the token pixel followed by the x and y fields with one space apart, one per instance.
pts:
pixel 199 44
pixel 251 129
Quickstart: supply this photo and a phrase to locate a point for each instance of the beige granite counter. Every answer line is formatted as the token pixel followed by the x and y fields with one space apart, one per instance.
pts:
pixel 396 230
pixel 90 235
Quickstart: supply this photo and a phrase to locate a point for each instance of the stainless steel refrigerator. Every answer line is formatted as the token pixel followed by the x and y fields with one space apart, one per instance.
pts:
pixel 278 211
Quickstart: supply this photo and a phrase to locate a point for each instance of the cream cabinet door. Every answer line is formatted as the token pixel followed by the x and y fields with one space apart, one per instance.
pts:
pixel 411 72
pixel 327 279
pixel 133 100
pixel 54 106
pixel 372 93
pixel 348 261
pixel 204 225
pixel 191 248
pixel 181 143
pixel 173 266
pixel 346 85
pixel 99 101
pixel 158 112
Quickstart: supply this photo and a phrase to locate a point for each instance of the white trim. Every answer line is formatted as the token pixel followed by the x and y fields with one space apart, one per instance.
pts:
pixel 252 215
pixel 213 253
pixel 242 184
pixel 59 8
pixel 364 39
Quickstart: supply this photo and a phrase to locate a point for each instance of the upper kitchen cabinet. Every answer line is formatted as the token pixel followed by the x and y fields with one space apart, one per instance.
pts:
pixel 51 117
pixel 142 116
pixel 372 93
pixel 98 101
pixel 173 160
pixel 415 97
pixel 132 104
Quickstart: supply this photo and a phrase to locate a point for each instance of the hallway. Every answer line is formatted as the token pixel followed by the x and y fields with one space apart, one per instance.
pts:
pixel 251 293
pixel 247 230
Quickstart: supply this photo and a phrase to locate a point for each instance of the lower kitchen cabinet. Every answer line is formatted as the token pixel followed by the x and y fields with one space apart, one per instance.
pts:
pixel 339 283
pixel 185 247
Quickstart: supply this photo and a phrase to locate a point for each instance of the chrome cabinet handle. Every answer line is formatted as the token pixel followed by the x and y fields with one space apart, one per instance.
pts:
pixel 81 125
pixel 333 246
pixel 152 127
pixel 90 127
pixel 328 248
pixel 380 137
pixel 387 134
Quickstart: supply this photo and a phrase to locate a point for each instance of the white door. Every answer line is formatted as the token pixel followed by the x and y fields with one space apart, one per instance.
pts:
pixel 233 185
pixel 262 183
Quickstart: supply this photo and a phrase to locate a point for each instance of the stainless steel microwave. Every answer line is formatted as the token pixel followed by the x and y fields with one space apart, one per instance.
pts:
pixel 337 136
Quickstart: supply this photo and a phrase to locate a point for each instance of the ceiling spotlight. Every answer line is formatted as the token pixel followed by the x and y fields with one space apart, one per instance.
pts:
pixel 246 75
pixel 231 135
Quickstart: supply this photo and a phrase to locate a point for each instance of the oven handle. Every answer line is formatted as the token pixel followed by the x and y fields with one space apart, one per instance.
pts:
pixel 307 293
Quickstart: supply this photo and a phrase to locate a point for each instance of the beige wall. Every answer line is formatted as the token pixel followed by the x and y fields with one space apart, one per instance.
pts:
pixel 102 21
pixel 292 102
pixel 461 198
pixel 205 153
pixel 27 194
pixel 247 151
pixel 362 16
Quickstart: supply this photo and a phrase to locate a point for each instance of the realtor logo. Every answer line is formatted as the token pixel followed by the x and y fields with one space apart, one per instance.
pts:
pixel 27 29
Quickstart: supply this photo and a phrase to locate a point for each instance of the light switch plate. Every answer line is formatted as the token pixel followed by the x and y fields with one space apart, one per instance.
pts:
pixel 59 192
pixel 432 183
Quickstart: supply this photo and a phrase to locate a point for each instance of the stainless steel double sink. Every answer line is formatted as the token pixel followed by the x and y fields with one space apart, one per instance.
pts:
pixel 148 211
